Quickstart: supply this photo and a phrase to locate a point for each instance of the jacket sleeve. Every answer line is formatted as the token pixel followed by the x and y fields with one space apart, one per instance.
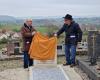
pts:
pixel 26 34
pixel 61 31
pixel 79 32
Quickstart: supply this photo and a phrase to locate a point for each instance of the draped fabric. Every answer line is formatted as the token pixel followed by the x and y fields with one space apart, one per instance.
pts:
pixel 43 47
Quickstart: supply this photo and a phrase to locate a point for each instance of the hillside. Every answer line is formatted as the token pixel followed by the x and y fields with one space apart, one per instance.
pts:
pixel 7 19
pixel 47 21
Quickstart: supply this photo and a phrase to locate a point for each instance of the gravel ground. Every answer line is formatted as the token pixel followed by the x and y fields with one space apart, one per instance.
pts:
pixel 13 70
pixel 14 74
pixel 10 64
pixel 81 73
pixel 77 69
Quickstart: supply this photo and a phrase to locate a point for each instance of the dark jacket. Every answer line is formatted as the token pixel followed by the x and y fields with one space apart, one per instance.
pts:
pixel 73 33
pixel 27 36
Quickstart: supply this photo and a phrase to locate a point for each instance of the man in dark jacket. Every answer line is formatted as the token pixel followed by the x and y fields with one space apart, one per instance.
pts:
pixel 27 32
pixel 73 35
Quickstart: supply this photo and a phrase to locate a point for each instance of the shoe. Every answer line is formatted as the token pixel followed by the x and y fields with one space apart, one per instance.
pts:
pixel 26 69
pixel 66 64
pixel 72 65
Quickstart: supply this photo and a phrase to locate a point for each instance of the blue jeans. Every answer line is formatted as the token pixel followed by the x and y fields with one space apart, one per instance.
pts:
pixel 70 53
pixel 27 61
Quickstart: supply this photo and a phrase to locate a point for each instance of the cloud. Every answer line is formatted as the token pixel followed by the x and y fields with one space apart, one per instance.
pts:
pixel 49 7
pixel 78 2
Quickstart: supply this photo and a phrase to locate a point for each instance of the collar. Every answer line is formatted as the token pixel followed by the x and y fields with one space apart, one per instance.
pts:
pixel 29 27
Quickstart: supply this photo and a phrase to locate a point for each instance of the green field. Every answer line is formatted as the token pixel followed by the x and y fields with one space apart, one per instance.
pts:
pixel 42 29
pixel 16 28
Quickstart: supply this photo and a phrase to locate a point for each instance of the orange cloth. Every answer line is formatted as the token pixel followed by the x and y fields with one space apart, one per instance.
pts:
pixel 42 47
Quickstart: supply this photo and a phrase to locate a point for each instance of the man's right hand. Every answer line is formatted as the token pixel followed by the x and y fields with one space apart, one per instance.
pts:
pixel 55 34
pixel 33 33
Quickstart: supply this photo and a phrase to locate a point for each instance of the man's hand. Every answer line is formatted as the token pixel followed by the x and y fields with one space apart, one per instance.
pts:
pixel 33 33
pixel 55 34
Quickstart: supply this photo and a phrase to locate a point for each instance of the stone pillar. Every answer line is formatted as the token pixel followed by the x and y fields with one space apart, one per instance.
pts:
pixel 91 33
pixel 93 46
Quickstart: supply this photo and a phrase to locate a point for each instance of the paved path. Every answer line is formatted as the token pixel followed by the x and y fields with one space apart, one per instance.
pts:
pixel 53 73
pixel 41 73
pixel 48 74
pixel 14 74
pixel 72 74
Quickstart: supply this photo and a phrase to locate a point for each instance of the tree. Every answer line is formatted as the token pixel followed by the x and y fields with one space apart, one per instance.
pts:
pixel 51 29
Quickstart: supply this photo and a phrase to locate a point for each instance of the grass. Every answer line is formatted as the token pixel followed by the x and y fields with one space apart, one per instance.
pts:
pixel 12 27
pixel 16 28
pixel 41 29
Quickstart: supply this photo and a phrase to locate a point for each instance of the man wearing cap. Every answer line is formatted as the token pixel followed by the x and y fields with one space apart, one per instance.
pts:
pixel 27 32
pixel 73 35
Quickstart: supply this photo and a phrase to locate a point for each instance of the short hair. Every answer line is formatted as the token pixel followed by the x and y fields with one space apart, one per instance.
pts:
pixel 28 20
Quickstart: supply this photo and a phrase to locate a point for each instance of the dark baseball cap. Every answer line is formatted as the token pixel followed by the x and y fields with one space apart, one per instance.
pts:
pixel 68 16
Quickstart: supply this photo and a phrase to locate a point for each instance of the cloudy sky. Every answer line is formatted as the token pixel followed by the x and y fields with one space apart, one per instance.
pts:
pixel 25 8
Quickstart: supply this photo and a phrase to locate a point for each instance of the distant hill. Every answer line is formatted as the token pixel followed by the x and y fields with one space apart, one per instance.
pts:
pixel 93 20
pixel 5 18
pixel 47 21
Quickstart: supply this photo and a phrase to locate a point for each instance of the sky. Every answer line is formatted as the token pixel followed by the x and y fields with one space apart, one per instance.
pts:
pixel 27 8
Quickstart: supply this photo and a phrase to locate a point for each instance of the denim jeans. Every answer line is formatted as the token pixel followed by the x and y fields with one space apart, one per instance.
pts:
pixel 70 53
pixel 27 61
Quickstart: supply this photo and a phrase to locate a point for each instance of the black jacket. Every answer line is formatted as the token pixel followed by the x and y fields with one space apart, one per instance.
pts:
pixel 73 33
